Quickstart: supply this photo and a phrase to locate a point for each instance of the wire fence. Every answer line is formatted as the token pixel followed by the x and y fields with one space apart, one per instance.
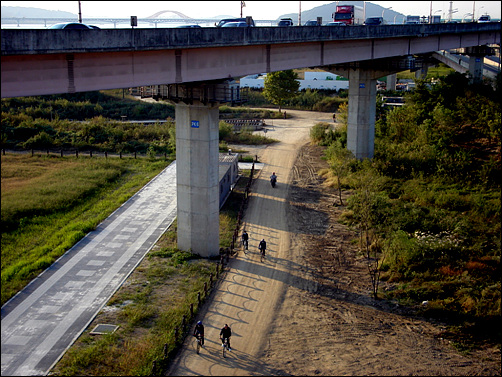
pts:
pixel 160 366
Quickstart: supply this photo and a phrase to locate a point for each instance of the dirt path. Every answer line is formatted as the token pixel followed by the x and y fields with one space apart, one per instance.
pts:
pixel 306 310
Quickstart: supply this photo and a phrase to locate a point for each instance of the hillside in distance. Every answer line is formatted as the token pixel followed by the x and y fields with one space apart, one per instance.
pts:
pixel 325 11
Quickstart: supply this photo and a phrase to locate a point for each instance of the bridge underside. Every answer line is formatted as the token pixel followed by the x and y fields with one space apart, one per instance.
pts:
pixel 28 74
pixel 362 61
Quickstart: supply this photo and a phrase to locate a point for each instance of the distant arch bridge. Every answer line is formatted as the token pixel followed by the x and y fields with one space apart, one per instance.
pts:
pixel 170 11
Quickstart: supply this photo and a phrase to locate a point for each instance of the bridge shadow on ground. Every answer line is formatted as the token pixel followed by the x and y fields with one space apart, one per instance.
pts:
pixel 299 203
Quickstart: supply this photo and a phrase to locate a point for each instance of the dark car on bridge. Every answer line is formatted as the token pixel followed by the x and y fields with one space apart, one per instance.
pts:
pixel 237 24
pixel 227 20
pixel 310 23
pixel 336 23
pixel 73 26
pixel 374 21
pixel 285 22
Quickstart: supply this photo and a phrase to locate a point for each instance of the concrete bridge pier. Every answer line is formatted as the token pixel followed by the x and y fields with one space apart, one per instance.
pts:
pixel 197 183
pixel 362 112
pixel 391 81
pixel 197 169
pixel 476 56
pixel 362 99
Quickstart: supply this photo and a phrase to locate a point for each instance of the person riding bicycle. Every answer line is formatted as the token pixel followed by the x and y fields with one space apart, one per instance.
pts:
pixel 199 331
pixel 273 178
pixel 245 238
pixel 262 246
pixel 226 333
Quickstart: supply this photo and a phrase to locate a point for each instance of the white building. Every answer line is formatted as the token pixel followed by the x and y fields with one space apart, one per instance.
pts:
pixel 313 80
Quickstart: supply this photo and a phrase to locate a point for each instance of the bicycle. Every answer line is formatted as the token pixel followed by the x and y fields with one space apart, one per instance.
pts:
pixel 262 257
pixel 225 347
pixel 198 342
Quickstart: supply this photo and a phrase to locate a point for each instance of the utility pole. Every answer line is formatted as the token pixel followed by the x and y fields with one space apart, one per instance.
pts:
pixel 243 4
pixel 79 13
pixel 300 13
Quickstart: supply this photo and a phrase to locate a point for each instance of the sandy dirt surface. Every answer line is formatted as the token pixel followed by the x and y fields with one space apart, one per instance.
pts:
pixel 307 309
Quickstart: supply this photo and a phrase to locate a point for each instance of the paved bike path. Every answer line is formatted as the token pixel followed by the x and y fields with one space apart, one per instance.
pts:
pixel 42 321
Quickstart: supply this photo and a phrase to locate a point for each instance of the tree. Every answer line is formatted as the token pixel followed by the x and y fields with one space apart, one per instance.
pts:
pixel 368 206
pixel 281 86
pixel 339 159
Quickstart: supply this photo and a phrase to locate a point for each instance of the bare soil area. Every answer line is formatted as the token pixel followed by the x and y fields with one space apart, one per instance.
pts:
pixel 307 309
pixel 334 326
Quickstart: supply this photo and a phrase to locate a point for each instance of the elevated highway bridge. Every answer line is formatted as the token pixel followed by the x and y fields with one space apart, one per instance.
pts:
pixel 192 64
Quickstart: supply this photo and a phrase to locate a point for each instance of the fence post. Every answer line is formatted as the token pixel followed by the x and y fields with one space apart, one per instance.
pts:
pixel 183 323
pixel 61 152
pixel 211 279
pixel 106 154
pixel 176 332
pixel 165 350
pixel 217 270
pixel 191 310
pixel 90 153
pixel 205 288
pixel 154 367
pixel 134 154
pixel 120 154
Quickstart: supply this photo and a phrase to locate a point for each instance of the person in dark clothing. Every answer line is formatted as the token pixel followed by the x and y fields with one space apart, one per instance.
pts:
pixel 226 332
pixel 199 330
pixel 262 246
pixel 245 238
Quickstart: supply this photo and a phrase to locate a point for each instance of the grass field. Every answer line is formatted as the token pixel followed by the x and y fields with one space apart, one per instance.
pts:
pixel 50 203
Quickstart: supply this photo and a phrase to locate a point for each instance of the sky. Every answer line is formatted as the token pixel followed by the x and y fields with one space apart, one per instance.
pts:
pixel 259 10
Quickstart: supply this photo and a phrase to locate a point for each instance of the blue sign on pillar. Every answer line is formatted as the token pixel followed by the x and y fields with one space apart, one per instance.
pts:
pixel 362 85
pixel 195 124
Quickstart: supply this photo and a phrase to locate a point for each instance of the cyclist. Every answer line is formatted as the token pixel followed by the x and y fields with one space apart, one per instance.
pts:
pixel 273 179
pixel 226 332
pixel 262 246
pixel 245 238
pixel 199 331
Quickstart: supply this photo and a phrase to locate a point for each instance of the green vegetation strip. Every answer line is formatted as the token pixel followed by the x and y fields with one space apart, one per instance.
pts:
pixel 48 204
pixel 150 306
pixel 427 206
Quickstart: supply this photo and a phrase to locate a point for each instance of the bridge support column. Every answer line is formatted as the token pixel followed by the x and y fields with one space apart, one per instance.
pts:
pixel 362 99
pixel 362 111
pixel 421 73
pixel 391 81
pixel 476 63
pixel 197 137
pixel 476 56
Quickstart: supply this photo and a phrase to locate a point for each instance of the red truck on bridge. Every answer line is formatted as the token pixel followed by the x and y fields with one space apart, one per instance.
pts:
pixel 349 14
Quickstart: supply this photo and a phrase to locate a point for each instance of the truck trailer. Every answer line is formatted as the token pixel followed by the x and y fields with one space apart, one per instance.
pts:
pixel 349 14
